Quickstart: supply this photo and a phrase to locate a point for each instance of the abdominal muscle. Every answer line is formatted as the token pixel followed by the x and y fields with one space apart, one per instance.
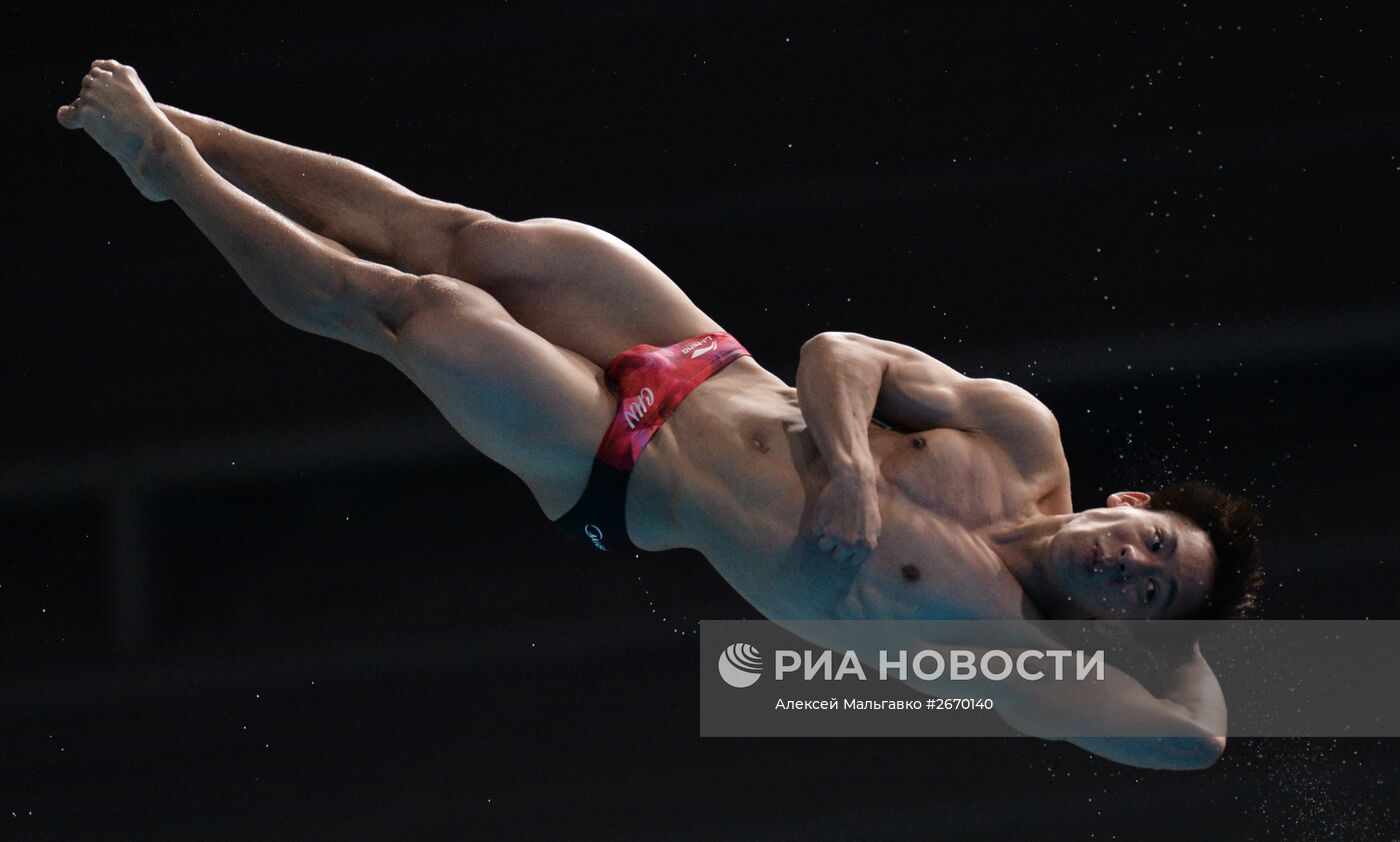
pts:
pixel 727 475
pixel 734 472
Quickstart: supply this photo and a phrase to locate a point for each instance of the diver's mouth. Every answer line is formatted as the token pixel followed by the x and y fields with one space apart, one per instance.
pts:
pixel 1096 559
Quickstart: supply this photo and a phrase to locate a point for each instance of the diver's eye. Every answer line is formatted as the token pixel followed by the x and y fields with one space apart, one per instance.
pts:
pixel 1157 542
pixel 1149 592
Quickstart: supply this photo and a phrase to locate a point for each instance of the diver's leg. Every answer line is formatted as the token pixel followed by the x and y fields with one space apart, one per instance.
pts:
pixel 372 215
pixel 575 285
pixel 531 406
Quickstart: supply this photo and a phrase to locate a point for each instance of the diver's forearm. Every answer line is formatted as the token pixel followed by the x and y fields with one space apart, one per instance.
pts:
pixel 1193 685
pixel 332 196
pixel 1135 727
pixel 837 387
pixel 1180 754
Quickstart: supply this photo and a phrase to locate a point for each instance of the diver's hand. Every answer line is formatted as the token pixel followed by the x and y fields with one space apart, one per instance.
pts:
pixel 846 520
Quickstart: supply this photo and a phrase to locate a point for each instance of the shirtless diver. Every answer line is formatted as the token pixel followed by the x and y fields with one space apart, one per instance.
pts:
pixel 886 485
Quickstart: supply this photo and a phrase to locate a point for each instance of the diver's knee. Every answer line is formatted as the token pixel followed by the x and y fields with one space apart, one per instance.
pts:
pixel 427 233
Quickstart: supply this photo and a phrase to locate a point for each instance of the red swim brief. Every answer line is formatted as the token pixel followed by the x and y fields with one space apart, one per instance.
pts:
pixel 651 382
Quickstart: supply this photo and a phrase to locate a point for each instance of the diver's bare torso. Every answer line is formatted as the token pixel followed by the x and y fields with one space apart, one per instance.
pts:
pixel 734 473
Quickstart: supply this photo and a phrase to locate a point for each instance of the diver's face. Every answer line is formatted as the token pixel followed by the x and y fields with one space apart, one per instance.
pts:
pixel 1128 562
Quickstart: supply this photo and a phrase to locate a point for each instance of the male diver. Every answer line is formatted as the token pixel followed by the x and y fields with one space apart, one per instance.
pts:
pixel 638 423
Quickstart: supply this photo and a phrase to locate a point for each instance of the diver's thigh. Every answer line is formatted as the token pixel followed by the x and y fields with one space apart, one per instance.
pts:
pixel 525 403
pixel 578 286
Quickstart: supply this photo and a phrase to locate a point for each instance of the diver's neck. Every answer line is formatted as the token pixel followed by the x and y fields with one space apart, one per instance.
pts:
pixel 1024 548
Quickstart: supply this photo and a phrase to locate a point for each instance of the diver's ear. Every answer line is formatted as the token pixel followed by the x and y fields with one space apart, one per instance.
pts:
pixel 1129 498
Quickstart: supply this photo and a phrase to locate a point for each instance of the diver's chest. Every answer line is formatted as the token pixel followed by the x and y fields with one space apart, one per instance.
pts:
pixel 929 567
pixel 952 475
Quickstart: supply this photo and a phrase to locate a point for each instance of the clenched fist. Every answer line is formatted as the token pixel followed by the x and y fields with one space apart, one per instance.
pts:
pixel 846 520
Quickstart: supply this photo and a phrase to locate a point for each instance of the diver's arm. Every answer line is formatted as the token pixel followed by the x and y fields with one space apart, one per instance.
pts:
pixel 1193 685
pixel 1173 754
pixel 838 382
pixel 1182 730
pixel 902 384
pixel 918 392
pixel 1193 690
pixel 843 379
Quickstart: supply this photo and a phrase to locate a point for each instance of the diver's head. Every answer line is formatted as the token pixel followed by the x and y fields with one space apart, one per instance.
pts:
pixel 1189 551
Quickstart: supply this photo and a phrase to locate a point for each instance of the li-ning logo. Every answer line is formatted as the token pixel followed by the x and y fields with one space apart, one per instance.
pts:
pixel 638 406
pixel 595 535
pixel 700 347
pixel 740 665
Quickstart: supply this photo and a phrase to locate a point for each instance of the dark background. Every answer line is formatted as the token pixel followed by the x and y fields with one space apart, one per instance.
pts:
pixel 251 586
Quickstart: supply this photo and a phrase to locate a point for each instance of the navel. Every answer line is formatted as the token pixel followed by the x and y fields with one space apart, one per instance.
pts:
pixel 919 443
pixel 759 445
pixel 911 573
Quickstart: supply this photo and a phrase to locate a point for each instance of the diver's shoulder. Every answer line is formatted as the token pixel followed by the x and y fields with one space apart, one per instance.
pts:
pixel 1007 404
pixel 1020 424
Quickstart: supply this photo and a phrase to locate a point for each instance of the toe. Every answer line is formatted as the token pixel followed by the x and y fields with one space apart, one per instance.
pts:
pixel 71 116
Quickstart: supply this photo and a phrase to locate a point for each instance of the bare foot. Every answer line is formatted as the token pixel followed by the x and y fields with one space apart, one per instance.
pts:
pixel 116 111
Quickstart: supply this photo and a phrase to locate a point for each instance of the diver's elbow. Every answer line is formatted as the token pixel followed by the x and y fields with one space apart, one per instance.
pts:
pixel 1196 754
pixel 1214 748
pixel 1166 754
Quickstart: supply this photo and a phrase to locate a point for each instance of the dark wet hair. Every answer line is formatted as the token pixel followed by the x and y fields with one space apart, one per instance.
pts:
pixel 1232 525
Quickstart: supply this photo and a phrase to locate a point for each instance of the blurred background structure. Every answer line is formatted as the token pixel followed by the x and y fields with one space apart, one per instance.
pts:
pixel 251 586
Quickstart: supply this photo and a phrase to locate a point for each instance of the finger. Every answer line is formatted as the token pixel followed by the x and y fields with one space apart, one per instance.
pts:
pixel 107 64
pixel 841 553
